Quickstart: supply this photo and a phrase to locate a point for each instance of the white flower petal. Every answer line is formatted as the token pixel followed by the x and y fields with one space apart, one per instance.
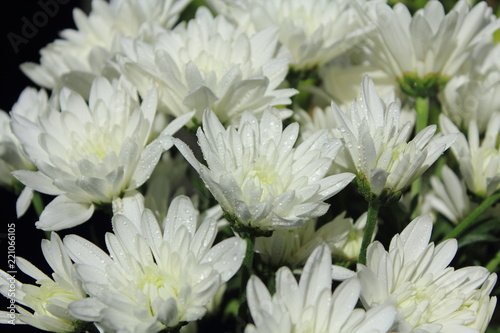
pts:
pixel 227 262
pixel 24 201
pixel 63 213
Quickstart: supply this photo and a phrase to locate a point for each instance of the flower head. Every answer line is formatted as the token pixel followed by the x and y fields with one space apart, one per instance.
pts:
pixel 479 160
pixel 209 64
pixel 313 32
pixel 422 52
pixel 89 154
pixel 449 196
pixel 384 161
pixel 429 295
pixel 50 298
pixel 310 306
pixel 293 247
pixel 153 279
pixel 474 95
pixel 259 178
pixel 31 104
pixel 85 51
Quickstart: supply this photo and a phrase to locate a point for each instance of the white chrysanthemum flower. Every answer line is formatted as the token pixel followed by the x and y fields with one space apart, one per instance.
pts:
pixel 209 64
pixel 153 279
pixel 319 118
pixel 259 178
pixel 293 247
pixel 30 104
pixel 449 196
pixel 85 51
pixel 89 154
pixel 310 306
pixel 48 301
pixel 476 94
pixel 425 50
pixel 429 295
pixel 479 160
pixel 351 246
pixel 313 32
pixel 385 162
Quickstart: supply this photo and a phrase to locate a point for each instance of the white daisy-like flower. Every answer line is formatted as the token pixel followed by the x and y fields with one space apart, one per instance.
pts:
pixel 31 104
pixel 310 306
pixel 425 50
pixel 474 95
pixel 384 161
pixel 259 178
pixel 479 160
pixel 449 196
pixel 351 246
pixel 207 63
pixel 85 51
pixel 155 277
pixel 429 295
pixel 322 118
pixel 293 247
pixel 313 32
pixel 47 301
pixel 89 154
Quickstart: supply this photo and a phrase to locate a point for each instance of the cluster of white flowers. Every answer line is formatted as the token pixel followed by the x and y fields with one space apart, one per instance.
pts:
pixel 250 177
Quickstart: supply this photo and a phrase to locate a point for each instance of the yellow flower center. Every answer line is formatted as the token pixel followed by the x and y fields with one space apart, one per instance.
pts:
pixel 265 176
pixel 156 282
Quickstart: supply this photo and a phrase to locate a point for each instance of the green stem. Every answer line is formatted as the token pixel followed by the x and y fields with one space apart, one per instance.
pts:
pixel 38 203
pixel 87 328
pixel 39 207
pixel 493 264
pixel 422 108
pixel 474 215
pixel 371 223
pixel 247 269
pixel 248 261
pixel 175 329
